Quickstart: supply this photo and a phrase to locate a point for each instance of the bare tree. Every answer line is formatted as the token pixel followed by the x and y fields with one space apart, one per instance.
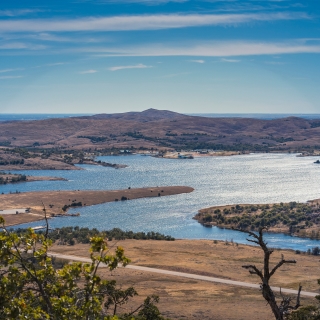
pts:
pixel 283 307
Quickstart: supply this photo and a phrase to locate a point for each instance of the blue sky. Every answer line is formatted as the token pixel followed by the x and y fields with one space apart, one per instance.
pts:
pixel 211 56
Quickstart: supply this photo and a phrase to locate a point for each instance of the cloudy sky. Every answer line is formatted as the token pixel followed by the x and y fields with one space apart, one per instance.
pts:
pixel 210 56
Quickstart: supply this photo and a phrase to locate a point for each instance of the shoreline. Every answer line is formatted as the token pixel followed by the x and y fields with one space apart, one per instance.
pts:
pixel 14 178
pixel 57 203
pixel 55 163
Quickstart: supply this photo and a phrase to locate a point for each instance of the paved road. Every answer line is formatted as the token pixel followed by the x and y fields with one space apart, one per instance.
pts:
pixel 189 275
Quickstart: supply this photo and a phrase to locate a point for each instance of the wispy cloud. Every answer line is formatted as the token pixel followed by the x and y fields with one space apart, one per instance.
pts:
pixel 197 61
pixel 10 77
pixel 222 49
pixel 55 64
pixel 19 12
pixel 88 71
pixel 252 6
pixel 175 75
pixel 11 70
pixel 137 66
pixel 147 2
pixel 230 60
pixel 141 22
pixel 13 45
pixel 276 63
pixel 51 37
pixel 21 45
pixel 43 36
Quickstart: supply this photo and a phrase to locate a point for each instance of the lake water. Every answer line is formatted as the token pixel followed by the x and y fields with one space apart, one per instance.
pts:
pixel 37 116
pixel 254 178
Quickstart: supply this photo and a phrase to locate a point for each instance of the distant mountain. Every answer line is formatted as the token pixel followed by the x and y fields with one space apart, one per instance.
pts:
pixel 144 116
pixel 162 129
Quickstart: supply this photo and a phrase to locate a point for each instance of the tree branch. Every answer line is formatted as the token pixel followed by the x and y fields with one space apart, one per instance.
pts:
pixel 280 263
pixel 253 270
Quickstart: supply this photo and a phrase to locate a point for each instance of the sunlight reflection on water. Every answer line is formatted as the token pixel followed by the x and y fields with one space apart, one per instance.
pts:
pixel 254 178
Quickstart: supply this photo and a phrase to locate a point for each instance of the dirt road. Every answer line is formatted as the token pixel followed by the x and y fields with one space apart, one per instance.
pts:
pixel 188 275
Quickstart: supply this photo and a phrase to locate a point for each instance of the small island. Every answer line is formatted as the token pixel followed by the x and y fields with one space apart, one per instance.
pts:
pixel 6 178
pixel 192 154
pixel 25 159
pixel 294 218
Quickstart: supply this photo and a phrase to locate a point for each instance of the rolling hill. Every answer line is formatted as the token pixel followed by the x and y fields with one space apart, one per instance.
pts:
pixel 160 129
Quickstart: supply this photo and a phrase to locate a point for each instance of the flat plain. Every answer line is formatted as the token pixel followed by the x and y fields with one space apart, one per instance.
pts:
pixel 182 298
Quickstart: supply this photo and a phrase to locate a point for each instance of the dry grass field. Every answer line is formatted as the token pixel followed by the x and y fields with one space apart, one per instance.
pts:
pixel 182 298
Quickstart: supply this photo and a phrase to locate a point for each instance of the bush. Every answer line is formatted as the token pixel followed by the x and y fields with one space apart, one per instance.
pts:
pixel 315 251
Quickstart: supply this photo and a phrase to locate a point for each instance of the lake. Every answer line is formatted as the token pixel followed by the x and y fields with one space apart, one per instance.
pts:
pixel 254 178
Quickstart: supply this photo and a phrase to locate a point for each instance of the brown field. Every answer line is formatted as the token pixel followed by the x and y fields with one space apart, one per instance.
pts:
pixel 40 164
pixel 55 200
pixel 182 298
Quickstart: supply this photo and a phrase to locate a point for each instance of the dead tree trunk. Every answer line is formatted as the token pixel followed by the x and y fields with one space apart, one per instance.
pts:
pixel 284 307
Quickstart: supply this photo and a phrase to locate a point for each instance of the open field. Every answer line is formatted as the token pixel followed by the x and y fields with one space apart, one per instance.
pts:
pixel 194 299
pixel 54 201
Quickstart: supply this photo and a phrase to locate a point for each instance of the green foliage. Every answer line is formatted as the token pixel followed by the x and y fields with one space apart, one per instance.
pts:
pixel 73 204
pixel 94 139
pixel 296 216
pixel 31 287
pixel 14 178
pixel 14 162
pixel 5 143
pixel 72 235
pixel 305 313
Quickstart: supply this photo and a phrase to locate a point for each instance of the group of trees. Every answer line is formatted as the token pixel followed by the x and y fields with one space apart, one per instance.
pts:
pixel 73 235
pixel 296 217
pixel 13 179
pixel 73 204
pixel 94 139
pixel 32 288
pixel 14 162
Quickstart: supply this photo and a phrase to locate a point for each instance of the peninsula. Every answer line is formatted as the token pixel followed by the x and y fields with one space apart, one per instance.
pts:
pixel 58 202
pixel 298 219
pixel 6 178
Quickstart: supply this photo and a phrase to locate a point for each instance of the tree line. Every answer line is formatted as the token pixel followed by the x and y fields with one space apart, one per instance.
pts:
pixel 73 235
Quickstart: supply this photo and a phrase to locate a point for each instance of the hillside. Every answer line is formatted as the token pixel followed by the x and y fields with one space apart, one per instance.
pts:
pixel 162 130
